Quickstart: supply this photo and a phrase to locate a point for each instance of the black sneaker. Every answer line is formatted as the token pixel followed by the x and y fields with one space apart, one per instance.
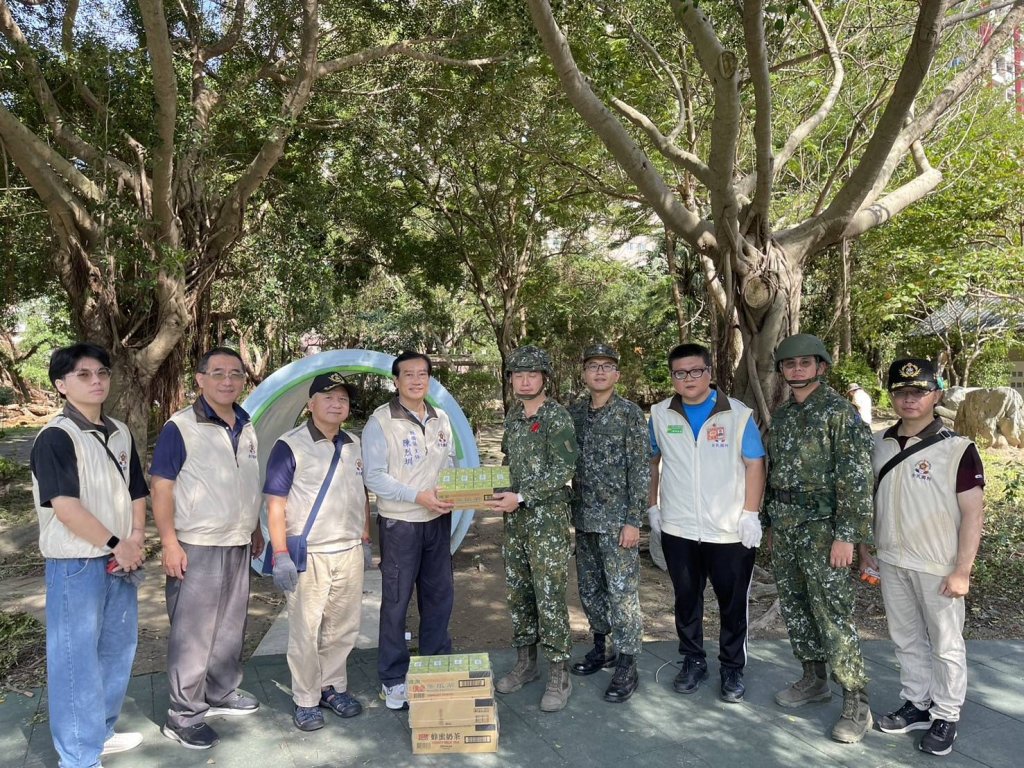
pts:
pixel 732 685
pixel 905 719
pixel 695 669
pixel 198 736
pixel 939 739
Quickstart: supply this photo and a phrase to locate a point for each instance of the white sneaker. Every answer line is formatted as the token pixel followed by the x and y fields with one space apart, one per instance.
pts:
pixel 394 696
pixel 121 742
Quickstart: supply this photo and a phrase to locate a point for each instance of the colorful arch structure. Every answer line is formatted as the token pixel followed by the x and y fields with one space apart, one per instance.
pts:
pixel 277 402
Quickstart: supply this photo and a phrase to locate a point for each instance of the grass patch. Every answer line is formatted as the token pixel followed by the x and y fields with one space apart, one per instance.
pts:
pixel 22 651
pixel 18 433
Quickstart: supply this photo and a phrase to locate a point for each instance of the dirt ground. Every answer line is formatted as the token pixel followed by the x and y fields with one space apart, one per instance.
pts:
pixel 480 620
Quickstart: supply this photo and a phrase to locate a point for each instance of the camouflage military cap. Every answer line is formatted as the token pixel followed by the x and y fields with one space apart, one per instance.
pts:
pixel 529 358
pixel 600 350
pixel 801 345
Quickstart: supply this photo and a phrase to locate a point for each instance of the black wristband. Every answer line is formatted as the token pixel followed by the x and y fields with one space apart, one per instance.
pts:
pixel 113 541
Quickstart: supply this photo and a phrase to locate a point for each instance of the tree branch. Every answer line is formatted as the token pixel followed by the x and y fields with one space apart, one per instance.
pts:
pixel 753 34
pixel 676 155
pixel 405 48
pixel 634 162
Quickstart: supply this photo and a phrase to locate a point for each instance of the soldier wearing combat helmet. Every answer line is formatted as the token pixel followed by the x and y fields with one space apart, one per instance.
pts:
pixel 818 507
pixel 609 497
pixel 540 449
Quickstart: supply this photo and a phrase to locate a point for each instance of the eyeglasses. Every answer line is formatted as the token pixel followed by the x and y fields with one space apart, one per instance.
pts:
pixel 601 368
pixel 682 374
pixel 235 376
pixel 85 374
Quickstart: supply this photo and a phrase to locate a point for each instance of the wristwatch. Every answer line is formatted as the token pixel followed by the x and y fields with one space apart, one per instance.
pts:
pixel 113 541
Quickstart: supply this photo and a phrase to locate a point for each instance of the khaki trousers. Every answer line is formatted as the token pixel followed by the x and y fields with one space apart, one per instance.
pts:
pixel 928 631
pixel 323 622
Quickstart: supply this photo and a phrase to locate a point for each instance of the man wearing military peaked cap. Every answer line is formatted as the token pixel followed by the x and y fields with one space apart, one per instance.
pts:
pixel 929 510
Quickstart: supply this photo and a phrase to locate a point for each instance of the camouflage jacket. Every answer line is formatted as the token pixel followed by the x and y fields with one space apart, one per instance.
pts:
pixel 613 469
pixel 819 465
pixel 540 451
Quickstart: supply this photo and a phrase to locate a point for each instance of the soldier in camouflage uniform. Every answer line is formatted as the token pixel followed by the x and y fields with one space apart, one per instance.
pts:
pixel 818 507
pixel 540 449
pixel 610 490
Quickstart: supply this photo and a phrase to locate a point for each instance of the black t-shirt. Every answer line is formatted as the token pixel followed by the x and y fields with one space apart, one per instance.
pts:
pixel 55 466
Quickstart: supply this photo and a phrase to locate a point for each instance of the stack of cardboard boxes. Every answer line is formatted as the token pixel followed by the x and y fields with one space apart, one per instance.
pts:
pixel 451 704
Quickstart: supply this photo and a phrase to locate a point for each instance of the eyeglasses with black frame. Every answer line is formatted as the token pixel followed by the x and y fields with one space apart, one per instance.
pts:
pixel 694 373
pixel 600 367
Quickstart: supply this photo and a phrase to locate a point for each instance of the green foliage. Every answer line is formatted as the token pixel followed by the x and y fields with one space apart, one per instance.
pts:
pixel 998 578
pixel 477 391
pixel 855 369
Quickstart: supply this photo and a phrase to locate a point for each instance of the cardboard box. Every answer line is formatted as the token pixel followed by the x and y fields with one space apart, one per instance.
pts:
pixel 437 713
pixel 455 739
pixel 471 488
pixel 459 676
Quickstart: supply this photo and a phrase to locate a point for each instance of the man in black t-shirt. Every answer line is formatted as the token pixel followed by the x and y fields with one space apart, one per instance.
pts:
pixel 929 509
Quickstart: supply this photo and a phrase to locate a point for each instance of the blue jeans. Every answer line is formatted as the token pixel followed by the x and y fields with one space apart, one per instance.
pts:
pixel 92 628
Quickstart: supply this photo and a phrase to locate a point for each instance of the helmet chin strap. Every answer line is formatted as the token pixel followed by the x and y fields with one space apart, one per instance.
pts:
pixel 803 383
pixel 534 396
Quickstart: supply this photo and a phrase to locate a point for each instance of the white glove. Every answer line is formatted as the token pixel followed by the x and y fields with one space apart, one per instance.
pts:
pixel 750 529
pixel 654 518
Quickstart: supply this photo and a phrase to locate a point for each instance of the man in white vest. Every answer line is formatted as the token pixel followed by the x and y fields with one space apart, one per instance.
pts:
pixel 90 497
pixel 929 510
pixel 704 505
pixel 406 444
pixel 206 501
pixel 317 468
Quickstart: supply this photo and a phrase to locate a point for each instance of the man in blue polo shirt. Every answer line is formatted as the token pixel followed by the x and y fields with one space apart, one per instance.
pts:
pixel 711 479
pixel 206 501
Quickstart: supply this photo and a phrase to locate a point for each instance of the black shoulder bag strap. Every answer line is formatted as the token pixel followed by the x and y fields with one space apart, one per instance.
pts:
pixel 323 490
pixel 906 453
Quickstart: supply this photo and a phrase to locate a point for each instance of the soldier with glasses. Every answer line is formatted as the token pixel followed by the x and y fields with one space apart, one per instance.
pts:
pixel 609 496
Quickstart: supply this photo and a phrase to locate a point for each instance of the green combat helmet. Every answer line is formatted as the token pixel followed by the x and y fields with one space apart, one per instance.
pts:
pixel 801 345
pixel 529 358
pixel 600 350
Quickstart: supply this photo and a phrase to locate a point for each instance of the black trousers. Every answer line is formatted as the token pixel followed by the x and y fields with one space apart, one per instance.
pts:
pixel 414 556
pixel 730 568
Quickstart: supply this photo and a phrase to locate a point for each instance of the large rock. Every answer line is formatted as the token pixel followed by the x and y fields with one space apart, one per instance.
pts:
pixel 994 416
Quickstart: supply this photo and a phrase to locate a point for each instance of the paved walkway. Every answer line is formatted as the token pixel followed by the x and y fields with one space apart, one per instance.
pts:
pixel 656 728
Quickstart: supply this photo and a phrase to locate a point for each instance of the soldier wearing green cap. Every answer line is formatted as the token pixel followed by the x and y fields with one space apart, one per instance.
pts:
pixel 818 507
pixel 540 449
pixel 610 491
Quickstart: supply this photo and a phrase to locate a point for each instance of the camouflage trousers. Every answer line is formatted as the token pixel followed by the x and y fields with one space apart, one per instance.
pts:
pixel 817 600
pixel 537 549
pixel 609 579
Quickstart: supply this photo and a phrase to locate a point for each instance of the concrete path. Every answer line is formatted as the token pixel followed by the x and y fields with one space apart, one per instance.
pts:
pixel 657 728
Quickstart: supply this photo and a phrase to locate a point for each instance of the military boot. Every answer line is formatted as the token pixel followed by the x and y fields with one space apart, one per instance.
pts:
pixel 600 656
pixel 624 681
pixel 525 671
pixel 855 720
pixel 813 686
pixel 556 695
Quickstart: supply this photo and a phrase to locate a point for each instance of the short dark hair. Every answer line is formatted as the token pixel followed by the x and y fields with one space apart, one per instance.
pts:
pixel 679 351
pixel 204 361
pixel 64 359
pixel 410 355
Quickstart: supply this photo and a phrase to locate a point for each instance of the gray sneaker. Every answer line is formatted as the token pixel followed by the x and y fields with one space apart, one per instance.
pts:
pixel 237 704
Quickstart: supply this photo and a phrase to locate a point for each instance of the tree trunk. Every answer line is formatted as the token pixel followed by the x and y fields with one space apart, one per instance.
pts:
pixel 678 299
